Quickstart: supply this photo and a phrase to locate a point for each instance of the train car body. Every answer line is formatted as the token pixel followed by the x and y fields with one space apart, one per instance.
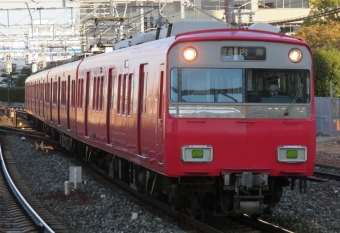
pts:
pixel 194 117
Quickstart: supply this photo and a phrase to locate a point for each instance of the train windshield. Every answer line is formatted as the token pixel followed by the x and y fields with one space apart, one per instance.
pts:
pixel 215 85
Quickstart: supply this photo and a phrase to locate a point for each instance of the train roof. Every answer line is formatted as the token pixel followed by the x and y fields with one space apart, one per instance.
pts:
pixel 238 34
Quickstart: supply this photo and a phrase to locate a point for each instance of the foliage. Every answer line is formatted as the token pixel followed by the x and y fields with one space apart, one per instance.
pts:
pixel 326 71
pixel 16 94
pixel 322 6
pixel 26 70
pixel 20 82
pixel 325 35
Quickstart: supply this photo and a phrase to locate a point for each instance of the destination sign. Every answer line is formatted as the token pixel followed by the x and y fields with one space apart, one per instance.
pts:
pixel 243 53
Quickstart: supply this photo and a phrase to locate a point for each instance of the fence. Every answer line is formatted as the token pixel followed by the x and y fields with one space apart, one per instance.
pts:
pixel 12 104
pixel 327 115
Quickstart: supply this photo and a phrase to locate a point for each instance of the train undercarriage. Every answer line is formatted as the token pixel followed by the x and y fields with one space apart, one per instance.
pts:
pixel 226 195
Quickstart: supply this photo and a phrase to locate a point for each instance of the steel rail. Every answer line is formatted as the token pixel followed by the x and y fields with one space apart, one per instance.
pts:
pixel 23 203
pixel 327 166
pixel 256 224
pixel 325 175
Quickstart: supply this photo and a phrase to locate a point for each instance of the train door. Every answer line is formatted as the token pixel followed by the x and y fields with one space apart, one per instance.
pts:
pixel 87 102
pixel 58 100
pixel 142 97
pixel 110 95
pixel 68 102
pixel 160 108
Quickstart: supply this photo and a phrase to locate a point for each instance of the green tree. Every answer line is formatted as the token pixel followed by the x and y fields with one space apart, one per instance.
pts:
pixel 321 35
pixel 16 94
pixel 20 82
pixel 323 4
pixel 26 70
pixel 14 67
pixel 321 7
pixel 326 71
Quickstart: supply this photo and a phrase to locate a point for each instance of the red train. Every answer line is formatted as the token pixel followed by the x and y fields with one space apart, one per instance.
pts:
pixel 212 120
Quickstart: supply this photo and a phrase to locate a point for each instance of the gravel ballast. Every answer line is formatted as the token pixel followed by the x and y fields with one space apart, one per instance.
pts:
pixel 96 207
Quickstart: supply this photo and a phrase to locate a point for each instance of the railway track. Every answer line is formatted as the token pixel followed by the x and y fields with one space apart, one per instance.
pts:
pixel 326 177
pixel 209 225
pixel 20 210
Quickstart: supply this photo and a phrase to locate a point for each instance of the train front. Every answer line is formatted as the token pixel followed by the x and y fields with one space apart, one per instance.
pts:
pixel 240 120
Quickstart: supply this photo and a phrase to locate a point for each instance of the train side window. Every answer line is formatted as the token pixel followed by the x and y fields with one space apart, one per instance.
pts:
pixel 129 95
pixel 94 93
pixel 142 88
pixel 34 96
pixel 97 94
pixel 124 94
pixel 47 93
pixel 101 94
pixel 73 93
pixel 111 88
pixel 119 94
pixel 55 94
pixel 63 93
pixel 41 97
pixel 80 93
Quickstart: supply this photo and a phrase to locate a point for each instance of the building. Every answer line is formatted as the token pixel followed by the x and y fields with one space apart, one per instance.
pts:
pixel 44 35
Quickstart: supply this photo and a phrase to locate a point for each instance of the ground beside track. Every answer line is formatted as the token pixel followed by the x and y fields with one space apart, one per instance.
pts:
pixel 328 150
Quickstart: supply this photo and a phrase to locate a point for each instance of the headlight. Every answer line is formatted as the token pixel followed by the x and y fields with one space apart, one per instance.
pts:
pixel 190 54
pixel 295 55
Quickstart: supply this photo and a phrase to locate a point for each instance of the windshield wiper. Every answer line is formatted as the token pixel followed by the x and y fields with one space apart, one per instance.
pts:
pixel 294 100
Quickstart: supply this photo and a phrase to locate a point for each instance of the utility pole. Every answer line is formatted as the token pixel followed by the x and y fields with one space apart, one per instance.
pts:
pixel 228 11
pixel 8 60
pixel 8 85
